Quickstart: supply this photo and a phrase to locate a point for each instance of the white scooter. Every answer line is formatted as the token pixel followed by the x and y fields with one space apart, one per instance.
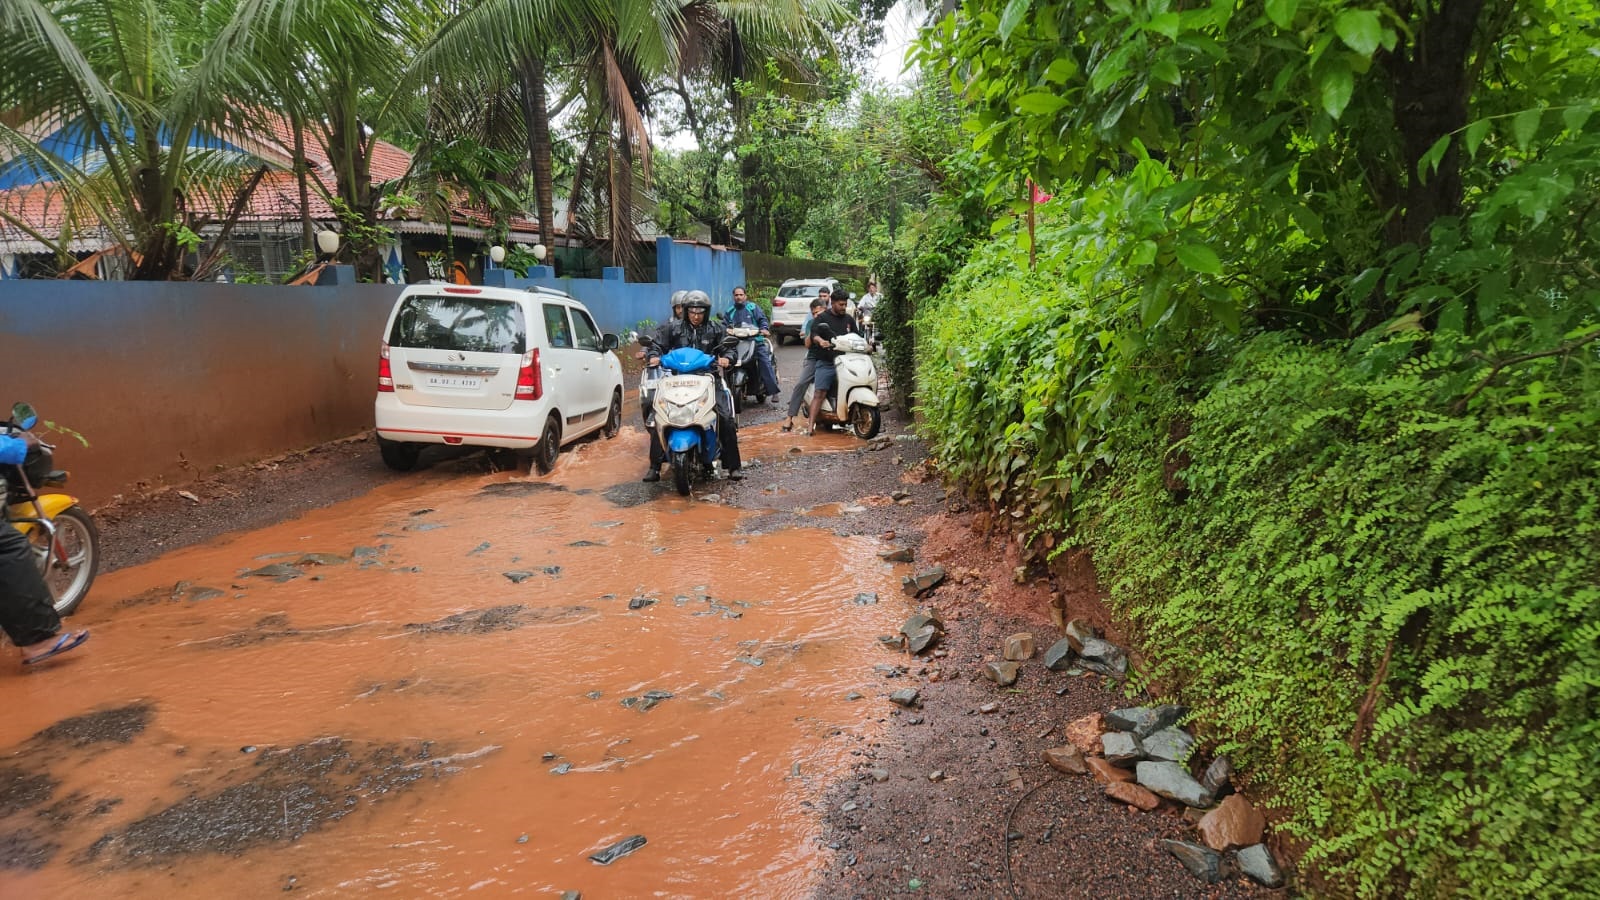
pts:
pixel 857 389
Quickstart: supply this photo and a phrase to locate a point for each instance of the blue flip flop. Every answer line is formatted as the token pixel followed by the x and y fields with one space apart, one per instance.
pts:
pixel 66 642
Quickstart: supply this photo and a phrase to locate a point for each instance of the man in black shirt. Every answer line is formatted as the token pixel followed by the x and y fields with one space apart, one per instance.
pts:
pixel 824 328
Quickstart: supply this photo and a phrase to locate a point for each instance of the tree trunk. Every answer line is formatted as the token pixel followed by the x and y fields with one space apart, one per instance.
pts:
pixel 757 234
pixel 536 115
pixel 301 175
pixel 1431 83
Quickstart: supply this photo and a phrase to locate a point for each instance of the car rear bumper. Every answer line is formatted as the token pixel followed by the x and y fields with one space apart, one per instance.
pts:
pixel 515 428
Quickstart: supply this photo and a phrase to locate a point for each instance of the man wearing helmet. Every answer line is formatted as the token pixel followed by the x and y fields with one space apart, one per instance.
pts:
pixel 698 330
pixel 644 402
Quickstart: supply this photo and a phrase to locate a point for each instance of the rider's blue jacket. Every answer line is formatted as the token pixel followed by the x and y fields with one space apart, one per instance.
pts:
pixel 12 450
pixel 747 313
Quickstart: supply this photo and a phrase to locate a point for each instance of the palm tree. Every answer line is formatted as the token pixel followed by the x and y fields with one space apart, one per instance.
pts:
pixel 109 108
pixel 339 67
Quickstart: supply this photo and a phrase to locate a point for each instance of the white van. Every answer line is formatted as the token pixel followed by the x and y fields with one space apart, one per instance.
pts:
pixel 463 365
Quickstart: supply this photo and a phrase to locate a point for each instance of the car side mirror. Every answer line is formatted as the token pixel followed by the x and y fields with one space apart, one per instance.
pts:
pixel 608 341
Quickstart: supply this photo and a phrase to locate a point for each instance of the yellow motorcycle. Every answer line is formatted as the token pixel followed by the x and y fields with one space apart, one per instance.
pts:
pixel 65 542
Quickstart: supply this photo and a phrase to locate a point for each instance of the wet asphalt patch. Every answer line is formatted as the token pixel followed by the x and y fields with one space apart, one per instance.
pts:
pixel 291 793
pixel 499 618
pixel 118 726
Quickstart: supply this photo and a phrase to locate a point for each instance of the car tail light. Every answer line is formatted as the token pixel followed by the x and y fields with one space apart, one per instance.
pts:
pixel 385 376
pixel 777 301
pixel 529 384
pixel 463 290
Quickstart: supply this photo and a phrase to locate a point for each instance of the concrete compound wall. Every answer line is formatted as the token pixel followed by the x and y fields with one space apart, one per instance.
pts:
pixel 169 381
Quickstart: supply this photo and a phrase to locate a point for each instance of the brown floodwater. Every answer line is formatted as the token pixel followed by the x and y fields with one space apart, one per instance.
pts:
pixel 404 716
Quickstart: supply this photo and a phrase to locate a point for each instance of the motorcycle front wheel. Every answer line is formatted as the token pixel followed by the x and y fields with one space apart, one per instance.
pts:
pixel 682 472
pixel 865 421
pixel 71 568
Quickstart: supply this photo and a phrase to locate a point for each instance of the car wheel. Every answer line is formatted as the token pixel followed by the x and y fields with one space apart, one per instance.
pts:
pixel 614 417
pixel 398 455
pixel 544 455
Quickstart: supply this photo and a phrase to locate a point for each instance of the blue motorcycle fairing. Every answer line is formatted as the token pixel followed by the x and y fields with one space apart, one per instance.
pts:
pixel 687 361
pixel 683 439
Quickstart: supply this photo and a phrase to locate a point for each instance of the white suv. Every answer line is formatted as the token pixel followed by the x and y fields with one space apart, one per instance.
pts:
pixel 493 367
pixel 792 306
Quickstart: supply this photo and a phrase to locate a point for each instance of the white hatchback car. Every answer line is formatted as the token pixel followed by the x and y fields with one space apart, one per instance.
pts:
pixel 525 370
pixel 792 306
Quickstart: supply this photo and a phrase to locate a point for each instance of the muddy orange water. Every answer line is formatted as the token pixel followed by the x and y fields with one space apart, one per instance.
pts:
pixel 403 718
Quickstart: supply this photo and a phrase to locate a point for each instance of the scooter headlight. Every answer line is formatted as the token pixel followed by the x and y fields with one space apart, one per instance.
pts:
pixel 680 416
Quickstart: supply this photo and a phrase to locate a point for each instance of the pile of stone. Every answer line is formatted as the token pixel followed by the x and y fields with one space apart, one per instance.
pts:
pixel 1082 647
pixel 921 631
pixel 1146 761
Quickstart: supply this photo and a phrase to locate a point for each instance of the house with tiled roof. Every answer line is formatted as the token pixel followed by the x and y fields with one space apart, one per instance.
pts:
pixel 269 236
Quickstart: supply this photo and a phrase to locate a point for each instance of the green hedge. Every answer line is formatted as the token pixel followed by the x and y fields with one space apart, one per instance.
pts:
pixel 1297 532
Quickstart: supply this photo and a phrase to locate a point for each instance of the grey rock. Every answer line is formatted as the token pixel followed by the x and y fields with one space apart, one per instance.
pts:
pixel 1059 656
pixel 1172 744
pixel 1144 721
pixel 517 577
pixel 889 671
pixel 1121 748
pixel 866 599
pixel 522 839
pixel 853 696
pixel 595 695
pixel 918 622
pixel 1077 631
pixel 922 639
pixel 478 549
pixel 561 769
pixel 1019 647
pixel 1256 862
pixel 1103 657
pixel 1170 780
pixel 640 602
pixel 322 559
pixel 924 580
pixel 572 895
pixel 1202 862
pixel 879 775
pixel 908 697
pixel 899 554
pixel 1001 673
pixel 756 661
pixel 1218 777
pixel 618 850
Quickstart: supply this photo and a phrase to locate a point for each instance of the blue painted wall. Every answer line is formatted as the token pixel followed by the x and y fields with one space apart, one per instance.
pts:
pixel 619 305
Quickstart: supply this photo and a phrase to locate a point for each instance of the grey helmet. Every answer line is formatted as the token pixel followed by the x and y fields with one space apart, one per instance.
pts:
pixel 697 300
pixel 677 300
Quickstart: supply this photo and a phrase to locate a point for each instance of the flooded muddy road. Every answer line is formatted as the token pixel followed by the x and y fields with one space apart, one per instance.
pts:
pixel 464 682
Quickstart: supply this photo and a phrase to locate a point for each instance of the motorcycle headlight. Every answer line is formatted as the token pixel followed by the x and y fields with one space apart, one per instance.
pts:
pixel 680 416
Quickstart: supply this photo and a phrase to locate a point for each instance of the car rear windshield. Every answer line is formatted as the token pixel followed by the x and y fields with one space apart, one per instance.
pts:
pixel 799 290
pixel 460 323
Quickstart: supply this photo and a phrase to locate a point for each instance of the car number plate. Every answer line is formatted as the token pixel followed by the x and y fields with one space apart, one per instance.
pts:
pixel 455 382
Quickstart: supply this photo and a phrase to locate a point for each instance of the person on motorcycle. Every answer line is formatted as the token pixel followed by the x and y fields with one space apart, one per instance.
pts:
pixel 644 403
pixel 824 329
pixel 27 611
pixel 746 312
pixel 808 368
pixel 698 330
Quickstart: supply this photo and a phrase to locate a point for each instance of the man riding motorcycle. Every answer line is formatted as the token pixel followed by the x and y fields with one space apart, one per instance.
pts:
pixel 698 330
pixel 745 312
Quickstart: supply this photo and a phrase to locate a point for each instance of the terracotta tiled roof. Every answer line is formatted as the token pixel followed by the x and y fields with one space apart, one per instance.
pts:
pixel 276 199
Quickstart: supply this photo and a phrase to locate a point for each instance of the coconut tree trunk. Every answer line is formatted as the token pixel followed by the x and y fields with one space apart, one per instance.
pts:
pixel 536 114
pixel 301 175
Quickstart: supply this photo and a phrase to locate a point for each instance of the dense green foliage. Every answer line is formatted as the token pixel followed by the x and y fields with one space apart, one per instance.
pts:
pixel 1308 358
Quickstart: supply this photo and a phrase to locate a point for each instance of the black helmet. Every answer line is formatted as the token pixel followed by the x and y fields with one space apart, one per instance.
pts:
pixel 697 300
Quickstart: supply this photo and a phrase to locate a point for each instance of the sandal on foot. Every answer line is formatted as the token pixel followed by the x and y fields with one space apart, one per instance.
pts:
pixel 788 426
pixel 67 641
